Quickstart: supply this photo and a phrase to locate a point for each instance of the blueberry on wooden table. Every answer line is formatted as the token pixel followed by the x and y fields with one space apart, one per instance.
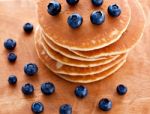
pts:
pixel 37 107
pixel 48 88
pixel 30 69
pixel 12 57
pixel 121 89
pixel 105 104
pixel 10 44
pixel 27 89
pixel 72 2
pixel 28 27
pixel 12 79
pixel 65 109
pixel 81 91
pixel 97 2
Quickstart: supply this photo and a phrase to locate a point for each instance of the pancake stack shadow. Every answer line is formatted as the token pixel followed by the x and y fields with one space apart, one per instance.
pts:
pixel 77 62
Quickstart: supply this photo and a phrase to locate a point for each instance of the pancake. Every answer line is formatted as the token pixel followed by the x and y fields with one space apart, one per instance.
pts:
pixel 67 52
pixel 88 36
pixel 57 67
pixel 93 78
pixel 72 62
pixel 128 40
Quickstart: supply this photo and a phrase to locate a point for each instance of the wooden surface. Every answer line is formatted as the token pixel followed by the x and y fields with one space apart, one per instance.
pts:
pixel 135 73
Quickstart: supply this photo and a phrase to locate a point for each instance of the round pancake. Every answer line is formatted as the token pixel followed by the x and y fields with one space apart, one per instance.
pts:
pixel 128 40
pixel 67 61
pixel 72 62
pixel 92 78
pixel 88 36
pixel 67 52
pixel 59 68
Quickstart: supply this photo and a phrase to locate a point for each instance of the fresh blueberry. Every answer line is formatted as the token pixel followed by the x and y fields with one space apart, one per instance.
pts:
pixel 12 79
pixel 81 91
pixel 27 89
pixel 114 10
pixel 97 2
pixel 10 44
pixel 97 17
pixel 105 104
pixel 121 89
pixel 30 69
pixel 75 20
pixel 28 27
pixel 12 57
pixel 54 8
pixel 65 109
pixel 72 2
pixel 37 107
pixel 47 88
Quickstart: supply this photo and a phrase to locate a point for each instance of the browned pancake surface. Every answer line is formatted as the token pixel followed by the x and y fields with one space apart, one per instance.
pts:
pixel 129 38
pixel 88 36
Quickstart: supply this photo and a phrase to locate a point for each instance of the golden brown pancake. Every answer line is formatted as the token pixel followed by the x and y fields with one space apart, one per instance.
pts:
pixel 128 40
pixel 88 36
pixel 67 52
pixel 59 68
pixel 92 78
pixel 72 62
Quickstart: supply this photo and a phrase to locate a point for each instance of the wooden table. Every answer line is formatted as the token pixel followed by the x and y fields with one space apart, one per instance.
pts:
pixel 135 73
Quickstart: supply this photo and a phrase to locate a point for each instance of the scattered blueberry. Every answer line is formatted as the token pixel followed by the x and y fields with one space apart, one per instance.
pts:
pixel 97 17
pixel 12 57
pixel 72 2
pixel 54 8
pixel 65 109
pixel 12 79
pixel 105 104
pixel 114 10
pixel 75 20
pixel 27 89
pixel 37 107
pixel 97 2
pixel 121 89
pixel 81 91
pixel 10 44
pixel 30 69
pixel 28 27
pixel 47 88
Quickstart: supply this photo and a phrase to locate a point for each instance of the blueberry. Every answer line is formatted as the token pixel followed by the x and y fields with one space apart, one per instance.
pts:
pixel 105 104
pixel 121 89
pixel 12 79
pixel 10 44
pixel 75 20
pixel 37 107
pixel 65 109
pixel 28 27
pixel 114 10
pixel 97 17
pixel 27 89
pixel 30 69
pixel 97 2
pixel 81 91
pixel 54 8
pixel 47 88
pixel 12 57
pixel 72 2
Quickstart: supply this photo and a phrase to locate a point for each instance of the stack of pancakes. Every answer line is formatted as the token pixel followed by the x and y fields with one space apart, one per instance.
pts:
pixel 90 52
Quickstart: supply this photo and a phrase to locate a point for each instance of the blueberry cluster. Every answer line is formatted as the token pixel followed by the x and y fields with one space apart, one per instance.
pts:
pixel 75 20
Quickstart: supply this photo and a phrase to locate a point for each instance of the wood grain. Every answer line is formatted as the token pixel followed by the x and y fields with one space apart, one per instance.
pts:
pixel 135 74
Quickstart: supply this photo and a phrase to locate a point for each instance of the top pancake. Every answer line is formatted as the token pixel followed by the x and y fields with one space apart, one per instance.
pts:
pixel 128 40
pixel 88 36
